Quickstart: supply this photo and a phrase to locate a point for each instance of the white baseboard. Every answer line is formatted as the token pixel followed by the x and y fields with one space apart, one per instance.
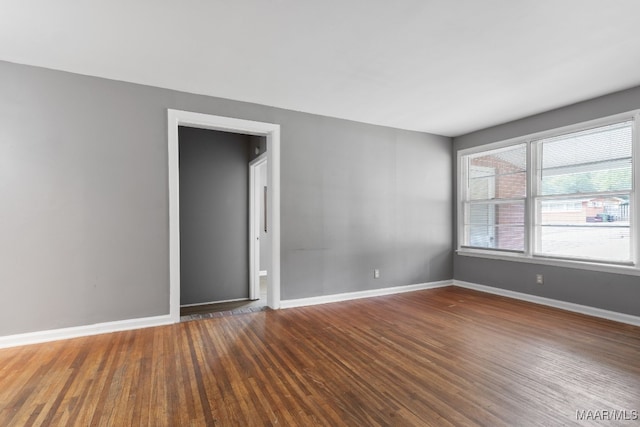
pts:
pixel 81 331
pixel 569 306
pixel 263 273
pixel 301 302
pixel 124 325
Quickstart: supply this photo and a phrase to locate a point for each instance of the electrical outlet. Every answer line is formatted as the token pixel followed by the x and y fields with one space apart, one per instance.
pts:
pixel 376 274
pixel 539 279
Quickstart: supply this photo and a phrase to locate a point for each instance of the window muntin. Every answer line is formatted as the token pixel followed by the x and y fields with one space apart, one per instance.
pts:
pixel 576 207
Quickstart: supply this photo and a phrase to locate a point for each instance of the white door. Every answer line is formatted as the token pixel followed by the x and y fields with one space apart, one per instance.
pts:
pixel 257 218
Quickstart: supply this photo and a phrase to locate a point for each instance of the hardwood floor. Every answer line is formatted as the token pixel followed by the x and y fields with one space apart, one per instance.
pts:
pixel 441 357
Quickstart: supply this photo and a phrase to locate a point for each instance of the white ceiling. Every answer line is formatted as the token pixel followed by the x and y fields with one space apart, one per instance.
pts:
pixel 445 67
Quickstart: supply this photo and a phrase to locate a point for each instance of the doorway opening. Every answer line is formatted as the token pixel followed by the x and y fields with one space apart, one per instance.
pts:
pixel 177 118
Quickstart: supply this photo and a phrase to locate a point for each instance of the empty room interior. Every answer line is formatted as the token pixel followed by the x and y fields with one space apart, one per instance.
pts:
pixel 320 213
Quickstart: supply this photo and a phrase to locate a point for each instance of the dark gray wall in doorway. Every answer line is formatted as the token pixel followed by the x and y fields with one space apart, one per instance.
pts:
pixel 258 146
pixel 84 190
pixel 617 292
pixel 214 204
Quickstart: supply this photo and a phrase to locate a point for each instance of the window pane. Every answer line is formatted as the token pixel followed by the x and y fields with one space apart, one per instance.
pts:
pixel 599 230
pixel 496 214
pixel 496 226
pixel 481 236
pixel 503 238
pixel 598 242
pixel 498 174
pixel 589 161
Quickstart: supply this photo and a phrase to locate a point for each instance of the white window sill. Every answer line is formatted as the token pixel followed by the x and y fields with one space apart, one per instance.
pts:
pixel 583 265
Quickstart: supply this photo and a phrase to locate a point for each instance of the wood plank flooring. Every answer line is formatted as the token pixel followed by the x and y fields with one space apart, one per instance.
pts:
pixel 441 357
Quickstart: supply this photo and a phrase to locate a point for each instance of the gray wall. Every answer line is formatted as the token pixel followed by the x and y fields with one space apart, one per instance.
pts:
pixel 615 292
pixel 84 219
pixel 214 220
pixel 360 197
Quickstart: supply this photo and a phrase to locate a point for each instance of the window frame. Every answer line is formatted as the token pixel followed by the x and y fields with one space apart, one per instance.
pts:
pixel 490 201
pixel 532 142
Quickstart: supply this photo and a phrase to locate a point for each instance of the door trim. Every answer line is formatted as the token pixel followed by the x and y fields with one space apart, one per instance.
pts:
pixel 227 124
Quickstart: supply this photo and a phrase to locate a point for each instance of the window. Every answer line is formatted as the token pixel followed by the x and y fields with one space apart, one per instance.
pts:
pixel 495 199
pixel 565 194
pixel 591 168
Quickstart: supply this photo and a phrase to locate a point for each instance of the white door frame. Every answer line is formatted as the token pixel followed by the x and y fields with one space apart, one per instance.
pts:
pixel 227 124
pixel 255 214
